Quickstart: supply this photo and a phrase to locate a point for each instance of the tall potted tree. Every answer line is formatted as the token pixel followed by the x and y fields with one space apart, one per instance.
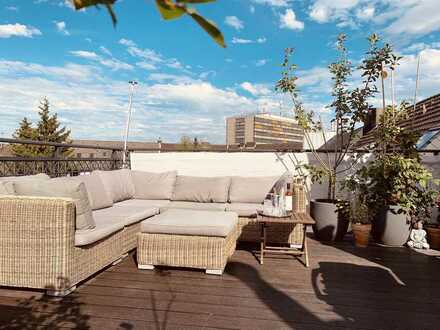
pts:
pixel 395 183
pixel 350 106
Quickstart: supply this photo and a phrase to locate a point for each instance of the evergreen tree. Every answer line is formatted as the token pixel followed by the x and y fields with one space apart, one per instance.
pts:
pixel 47 130
pixel 25 132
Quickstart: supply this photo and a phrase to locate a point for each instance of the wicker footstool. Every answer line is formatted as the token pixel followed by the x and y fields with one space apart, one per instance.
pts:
pixel 188 238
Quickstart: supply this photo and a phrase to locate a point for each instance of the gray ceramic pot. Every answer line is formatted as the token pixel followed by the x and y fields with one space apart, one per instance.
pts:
pixel 391 228
pixel 330 226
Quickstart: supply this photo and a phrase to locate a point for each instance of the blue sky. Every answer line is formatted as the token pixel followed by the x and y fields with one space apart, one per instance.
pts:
pixel 188 85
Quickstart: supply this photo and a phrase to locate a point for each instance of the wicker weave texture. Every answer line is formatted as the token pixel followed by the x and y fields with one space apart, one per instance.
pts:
pixel 129 237
pixel 279 233
pixel 36 236
pixel 299 198
pixel 185 251
pixel 37 249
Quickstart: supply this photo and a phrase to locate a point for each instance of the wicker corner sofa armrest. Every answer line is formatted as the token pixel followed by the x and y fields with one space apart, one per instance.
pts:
pixel 36 241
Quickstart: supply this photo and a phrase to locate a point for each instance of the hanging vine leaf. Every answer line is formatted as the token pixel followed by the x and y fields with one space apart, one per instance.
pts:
pixel 168 9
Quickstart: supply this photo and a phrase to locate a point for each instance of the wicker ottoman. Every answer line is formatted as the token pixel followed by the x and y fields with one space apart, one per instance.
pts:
pixel 188 238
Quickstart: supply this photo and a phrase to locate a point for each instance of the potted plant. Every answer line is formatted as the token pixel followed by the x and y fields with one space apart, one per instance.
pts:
pixel 433 230
pixel 395 183
pixel 358 212
pixel 350 106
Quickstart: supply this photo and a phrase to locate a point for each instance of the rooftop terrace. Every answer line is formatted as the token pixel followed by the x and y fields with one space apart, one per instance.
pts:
pixel 345 287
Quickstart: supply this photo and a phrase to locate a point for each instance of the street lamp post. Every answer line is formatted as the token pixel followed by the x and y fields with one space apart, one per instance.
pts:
pixel 132 84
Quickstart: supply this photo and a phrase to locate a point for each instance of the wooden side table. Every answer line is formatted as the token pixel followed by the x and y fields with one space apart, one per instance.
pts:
pixel 295 218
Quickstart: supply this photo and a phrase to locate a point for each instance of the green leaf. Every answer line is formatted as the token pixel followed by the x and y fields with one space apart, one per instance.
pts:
pixel 195 1
pixel 169 10
pixel 209 27
pixel 79 4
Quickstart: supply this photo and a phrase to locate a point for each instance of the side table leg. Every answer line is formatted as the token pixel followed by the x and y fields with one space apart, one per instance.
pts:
pixel 262 241
pixel 305 250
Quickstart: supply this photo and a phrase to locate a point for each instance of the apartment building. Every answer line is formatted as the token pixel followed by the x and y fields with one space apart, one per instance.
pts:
pixel 262 129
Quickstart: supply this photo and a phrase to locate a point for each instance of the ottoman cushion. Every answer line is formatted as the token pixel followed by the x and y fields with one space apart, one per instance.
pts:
pixel 191 222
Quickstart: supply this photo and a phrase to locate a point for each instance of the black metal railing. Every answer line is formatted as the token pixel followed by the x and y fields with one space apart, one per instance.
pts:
pixel 58 165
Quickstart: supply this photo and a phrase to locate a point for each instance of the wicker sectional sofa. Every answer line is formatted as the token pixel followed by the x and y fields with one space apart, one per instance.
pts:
pixel 43 245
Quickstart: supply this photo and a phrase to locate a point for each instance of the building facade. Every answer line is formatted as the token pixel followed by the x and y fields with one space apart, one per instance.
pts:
pixel 262 129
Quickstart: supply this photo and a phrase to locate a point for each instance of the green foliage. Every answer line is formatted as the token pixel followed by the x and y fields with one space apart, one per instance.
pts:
pixel 396 175
pixel 169 9
pixel 350 105
pixel 47 130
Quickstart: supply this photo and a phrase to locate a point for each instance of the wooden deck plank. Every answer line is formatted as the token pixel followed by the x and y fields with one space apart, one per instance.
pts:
pixel 345 288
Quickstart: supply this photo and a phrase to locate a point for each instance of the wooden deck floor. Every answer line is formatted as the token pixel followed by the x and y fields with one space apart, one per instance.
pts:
pixel 345 287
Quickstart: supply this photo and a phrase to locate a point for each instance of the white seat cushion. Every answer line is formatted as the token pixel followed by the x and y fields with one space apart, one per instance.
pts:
pixel 146 202
pixel 194 206
pixel 244 209
pixel 191 222
pixel 127 213
pixel 104 227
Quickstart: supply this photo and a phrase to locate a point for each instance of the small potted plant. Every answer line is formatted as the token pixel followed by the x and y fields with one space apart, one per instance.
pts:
pixel 357 210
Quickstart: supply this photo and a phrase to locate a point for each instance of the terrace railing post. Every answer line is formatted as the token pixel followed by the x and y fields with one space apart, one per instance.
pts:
pixel 114 159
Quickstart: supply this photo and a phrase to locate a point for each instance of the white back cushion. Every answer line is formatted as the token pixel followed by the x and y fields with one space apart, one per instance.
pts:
pixel 201 189
pixel 148 185
pixel 250 189
pixel 98 195
pixel 118 184
pixel 61 187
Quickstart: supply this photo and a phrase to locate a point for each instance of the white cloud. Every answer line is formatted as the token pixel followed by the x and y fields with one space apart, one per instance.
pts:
pixel 255 89
pixel 170 78
pixel 365 13
pixel 146 66
pixel 273 3
pixel 288 21
pixel 165 106
pixel 405 18
pixel 105 50
pixel 261 62
pixel 61 27
pixel 111 62
pixel 260 40
pixel 150 58
pixel 418 18
pixel 252 9
pixel 236 40
pixel 234 22
pixel 85 54
pixel 12 8
pixel 18 30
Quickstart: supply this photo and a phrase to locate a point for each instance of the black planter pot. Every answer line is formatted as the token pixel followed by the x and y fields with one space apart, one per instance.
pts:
pixel 391 228
pixel 330 225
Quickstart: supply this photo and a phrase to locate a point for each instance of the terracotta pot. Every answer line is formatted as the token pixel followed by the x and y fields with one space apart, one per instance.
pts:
pixel 433 237
pixel 361 233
